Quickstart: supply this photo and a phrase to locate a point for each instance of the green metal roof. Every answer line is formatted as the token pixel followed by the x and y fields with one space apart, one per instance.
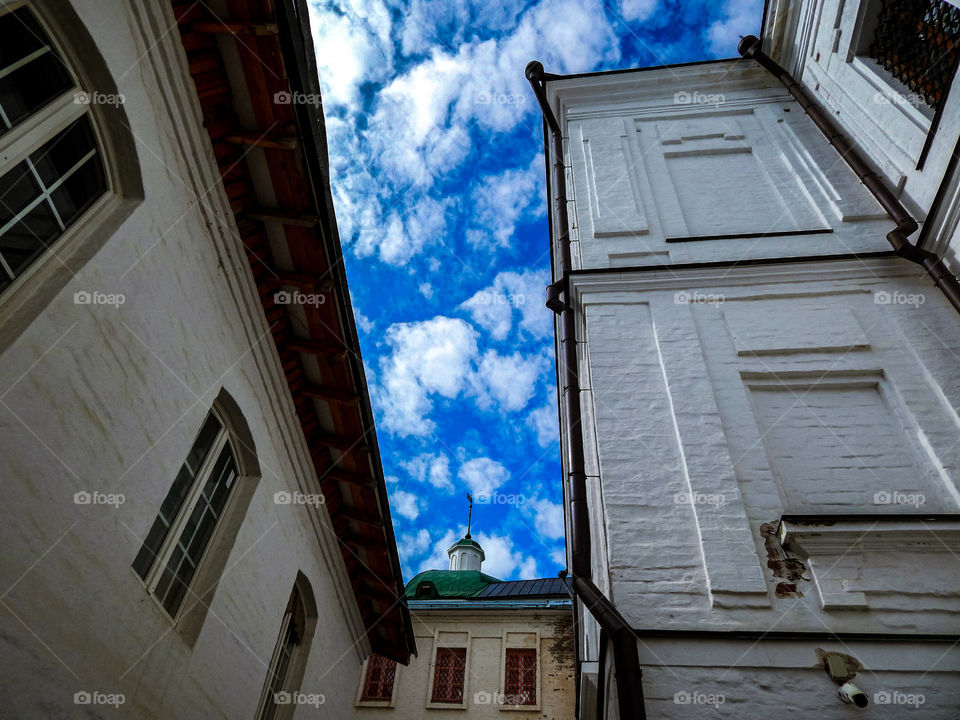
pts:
pixel 467 542
pixel 450 583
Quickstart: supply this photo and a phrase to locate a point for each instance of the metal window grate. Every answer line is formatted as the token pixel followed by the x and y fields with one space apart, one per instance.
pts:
pixel 918 42
pixel 520 677
pixel 448 675
pixel 381 672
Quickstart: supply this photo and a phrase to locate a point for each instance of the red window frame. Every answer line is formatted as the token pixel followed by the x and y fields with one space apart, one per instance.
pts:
pixel 448 674
pixel 520 677
pixel 378 684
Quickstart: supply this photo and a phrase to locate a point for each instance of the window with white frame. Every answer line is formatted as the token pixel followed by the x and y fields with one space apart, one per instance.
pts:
pixel 520 688
pixel 520 676
pixel 448 675
pixel 276 691
pixel 174 548
pixel 51 169
pixel 378 680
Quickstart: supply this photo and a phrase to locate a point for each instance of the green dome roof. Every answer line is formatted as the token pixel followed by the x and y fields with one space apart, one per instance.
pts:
pixel 447 583
pixel 467 542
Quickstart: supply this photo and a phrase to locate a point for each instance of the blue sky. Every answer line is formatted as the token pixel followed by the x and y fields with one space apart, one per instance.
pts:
pixel 437 172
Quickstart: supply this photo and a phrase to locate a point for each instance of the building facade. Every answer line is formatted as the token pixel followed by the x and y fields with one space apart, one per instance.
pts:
pixel 758 391
pixel 194 516
pixel 487 649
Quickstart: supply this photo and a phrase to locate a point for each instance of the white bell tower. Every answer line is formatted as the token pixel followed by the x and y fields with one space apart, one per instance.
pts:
pixel 466 553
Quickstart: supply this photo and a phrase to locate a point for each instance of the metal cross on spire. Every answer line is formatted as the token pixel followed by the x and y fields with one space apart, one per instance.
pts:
pixel 469 514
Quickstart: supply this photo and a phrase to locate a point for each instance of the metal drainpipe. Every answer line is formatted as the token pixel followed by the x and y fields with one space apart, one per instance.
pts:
pixel 750 47
pixel 626 658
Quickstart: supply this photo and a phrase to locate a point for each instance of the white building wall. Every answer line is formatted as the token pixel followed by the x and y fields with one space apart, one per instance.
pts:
pixel 109 399
pixel 722 398
pixel 485 633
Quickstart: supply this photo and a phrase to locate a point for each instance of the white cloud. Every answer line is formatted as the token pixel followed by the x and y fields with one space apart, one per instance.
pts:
pixel 512 296
pixel 363 322
pixel 405 503
pixel 404 235
pixel 438 559
pixel 483 475
pixel 740 17
pixel 543 421
pixel 637 10
pixel 428 357
pixel 419 122
pixel 503 560
pixel 502 200
pixel 440 357
pixel 559 556
pixel 426 289
pixel 424 20
pixel 427 467
pixel 352 46
pixel 548 517
pixel 508 380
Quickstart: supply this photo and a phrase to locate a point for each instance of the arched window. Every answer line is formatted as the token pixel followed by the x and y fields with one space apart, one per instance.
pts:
pixel 69 169
pixel 285 672
pixel 185 550
pixel 171 553
pixel 51 167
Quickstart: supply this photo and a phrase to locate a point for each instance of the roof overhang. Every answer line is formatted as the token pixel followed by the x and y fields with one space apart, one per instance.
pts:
pixel 272 157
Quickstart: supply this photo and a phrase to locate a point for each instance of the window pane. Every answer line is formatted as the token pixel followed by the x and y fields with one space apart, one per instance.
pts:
pixel 448 675
pixel 31 73
pixel 43 195
pixel 176 495
pixel 381 672
pixel 66 149
pixel 20 35
pixel 196 534
pixel 277 673
pixel 520 677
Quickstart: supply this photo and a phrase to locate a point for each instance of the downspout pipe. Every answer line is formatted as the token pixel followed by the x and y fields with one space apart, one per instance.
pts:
pixel 906 225
pixel 626 658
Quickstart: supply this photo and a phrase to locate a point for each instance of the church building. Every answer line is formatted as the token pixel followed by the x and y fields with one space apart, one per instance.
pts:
pixel 757 337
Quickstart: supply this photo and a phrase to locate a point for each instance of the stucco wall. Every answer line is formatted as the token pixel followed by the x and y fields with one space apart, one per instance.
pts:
pixel 487 631
pixel 721 397
pixel 109 398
